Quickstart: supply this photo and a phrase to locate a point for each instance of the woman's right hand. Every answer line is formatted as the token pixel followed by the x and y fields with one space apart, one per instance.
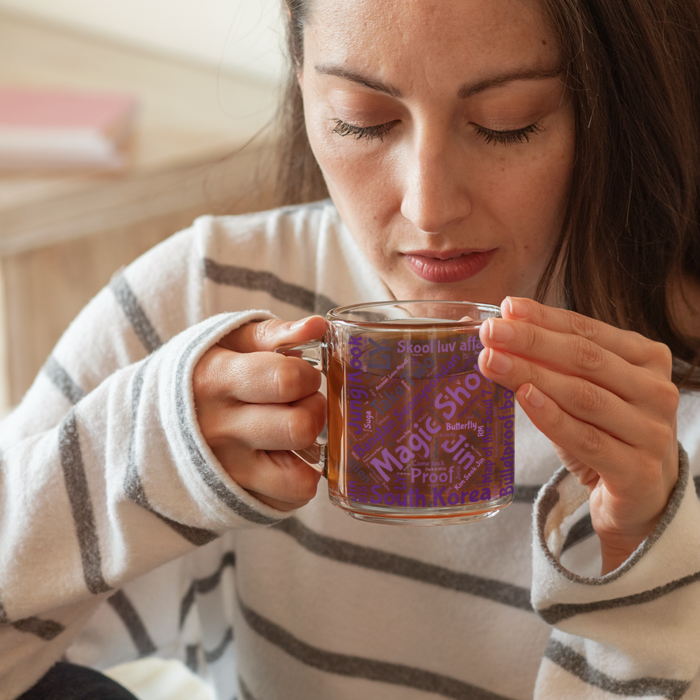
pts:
pixel 254 405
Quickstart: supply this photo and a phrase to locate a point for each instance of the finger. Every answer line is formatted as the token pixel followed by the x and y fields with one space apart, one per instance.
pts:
pixel 279 479
pixel 268 335
pixel 634 479
pixel 272 426
pixel 257 377
pixel 630 346
pixel 586 402
pixel 245 427
pixel 574 355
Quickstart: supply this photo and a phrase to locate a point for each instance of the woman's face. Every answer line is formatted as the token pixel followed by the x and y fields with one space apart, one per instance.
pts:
pixel 446 139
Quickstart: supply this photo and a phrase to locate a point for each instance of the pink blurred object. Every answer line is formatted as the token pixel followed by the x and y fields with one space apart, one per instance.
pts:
pixel 49 128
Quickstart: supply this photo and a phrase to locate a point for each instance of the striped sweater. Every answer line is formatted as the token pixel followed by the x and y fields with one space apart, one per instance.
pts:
pixel 121 536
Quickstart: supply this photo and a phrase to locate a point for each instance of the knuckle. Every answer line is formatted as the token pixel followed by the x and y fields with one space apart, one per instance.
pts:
pixel 588 356
pixel 295 378
pixel 670 397
pixel 582 325
pixel 665 396
pixel 265 329
pixel 660 435
pixel 532 338
pixel 591 440
pixel 588 398
pixel 303 487
pixel 663 357
pixel 558 421
pixel 303 427
pixel 295 482
pixel 287 379
pixel 265 333
pixel 535 375
pixel 307 479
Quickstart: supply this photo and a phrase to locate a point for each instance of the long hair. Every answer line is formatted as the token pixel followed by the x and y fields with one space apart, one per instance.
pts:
pixel 631 229
pixel 299 178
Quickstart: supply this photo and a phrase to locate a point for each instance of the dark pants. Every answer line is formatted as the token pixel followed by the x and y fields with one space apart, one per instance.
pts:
pixel 70 682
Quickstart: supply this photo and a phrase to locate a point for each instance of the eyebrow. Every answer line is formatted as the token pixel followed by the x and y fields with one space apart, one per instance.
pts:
pixel 468 90
pixel 464 92
pixel 359 79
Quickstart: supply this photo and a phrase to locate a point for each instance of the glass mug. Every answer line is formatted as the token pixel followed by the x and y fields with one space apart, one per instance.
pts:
pixel 416 434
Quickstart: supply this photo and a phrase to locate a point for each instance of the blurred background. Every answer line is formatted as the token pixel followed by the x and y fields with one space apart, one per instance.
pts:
pixel 237 35
pixel 204 78
pixel 200 79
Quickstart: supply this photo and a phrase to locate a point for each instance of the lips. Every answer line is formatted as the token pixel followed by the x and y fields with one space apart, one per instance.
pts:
pixel 448 266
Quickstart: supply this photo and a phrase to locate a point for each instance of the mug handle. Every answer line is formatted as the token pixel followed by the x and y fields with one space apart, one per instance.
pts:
pixel 316 455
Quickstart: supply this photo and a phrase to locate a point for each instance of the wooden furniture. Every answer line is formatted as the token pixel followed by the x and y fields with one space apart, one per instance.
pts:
pixel 63 235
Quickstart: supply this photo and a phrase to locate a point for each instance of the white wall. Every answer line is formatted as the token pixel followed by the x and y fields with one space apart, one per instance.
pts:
pixel 242 35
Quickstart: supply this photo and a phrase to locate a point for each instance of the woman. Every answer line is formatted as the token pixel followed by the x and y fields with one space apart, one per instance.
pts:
pixel 473 149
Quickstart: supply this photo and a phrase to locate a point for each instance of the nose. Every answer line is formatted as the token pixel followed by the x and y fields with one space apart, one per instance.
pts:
pixel 435 192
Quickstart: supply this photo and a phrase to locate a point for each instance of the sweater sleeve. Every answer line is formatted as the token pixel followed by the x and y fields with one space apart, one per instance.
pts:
pixel 104 472
pixel 634 632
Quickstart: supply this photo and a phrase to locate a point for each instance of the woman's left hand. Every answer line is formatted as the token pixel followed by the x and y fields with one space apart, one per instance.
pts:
pixel 605 398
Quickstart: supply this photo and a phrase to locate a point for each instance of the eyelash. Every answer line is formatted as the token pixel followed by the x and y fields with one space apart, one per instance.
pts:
pixel 508 137
pixel 489 135
pixel 362 132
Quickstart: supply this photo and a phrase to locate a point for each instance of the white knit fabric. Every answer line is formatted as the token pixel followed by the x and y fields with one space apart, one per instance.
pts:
pixel 121 536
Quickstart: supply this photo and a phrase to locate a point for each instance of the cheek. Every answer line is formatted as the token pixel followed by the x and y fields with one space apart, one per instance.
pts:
pixel 345 161
pixel 358 177
pixel 532 195
pixel 351 168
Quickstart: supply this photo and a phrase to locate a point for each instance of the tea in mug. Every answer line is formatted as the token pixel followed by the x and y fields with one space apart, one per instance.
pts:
pixel 416 434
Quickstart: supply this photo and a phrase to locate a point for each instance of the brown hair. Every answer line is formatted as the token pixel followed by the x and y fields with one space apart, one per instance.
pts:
pixel 632 222
pixel 299 178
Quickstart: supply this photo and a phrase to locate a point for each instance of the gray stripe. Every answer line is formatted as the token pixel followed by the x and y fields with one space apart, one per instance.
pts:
pixel 132 481
pixel 245 690
pixel 62 380
pixel 581 530
pixel 132 621
pixel 359 667
pixel 209 476
pixel 377 560
pixel 192 657
pixel 258 281
pixel 44 629
pixel 215 654
pixel 3 614
pixel 576 664
pixel 550 498
pixel 80 503
pixel 132 309
pixel 561 611
pixel 525 493
pixel 205 585
pixel 696 482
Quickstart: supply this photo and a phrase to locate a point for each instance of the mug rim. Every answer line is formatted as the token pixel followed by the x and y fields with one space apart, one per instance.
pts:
pixel 332 314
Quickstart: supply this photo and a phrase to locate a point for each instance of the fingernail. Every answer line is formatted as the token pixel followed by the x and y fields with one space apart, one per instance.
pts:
pixel 499 362
pixel 299 324
pixel 499 330
pixel 516 307
pixel 534 397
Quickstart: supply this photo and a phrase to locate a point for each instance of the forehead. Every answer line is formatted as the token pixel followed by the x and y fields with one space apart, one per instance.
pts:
pixel 431 37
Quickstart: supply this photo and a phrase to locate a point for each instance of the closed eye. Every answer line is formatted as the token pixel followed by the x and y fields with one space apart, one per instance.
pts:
pixel 510 136
pixel 362 132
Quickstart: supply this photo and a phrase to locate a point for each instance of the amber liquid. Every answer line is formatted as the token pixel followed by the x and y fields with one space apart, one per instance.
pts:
pixel 415 431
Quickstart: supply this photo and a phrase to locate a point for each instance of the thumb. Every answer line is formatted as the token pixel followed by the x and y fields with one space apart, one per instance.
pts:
pixel 268 335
